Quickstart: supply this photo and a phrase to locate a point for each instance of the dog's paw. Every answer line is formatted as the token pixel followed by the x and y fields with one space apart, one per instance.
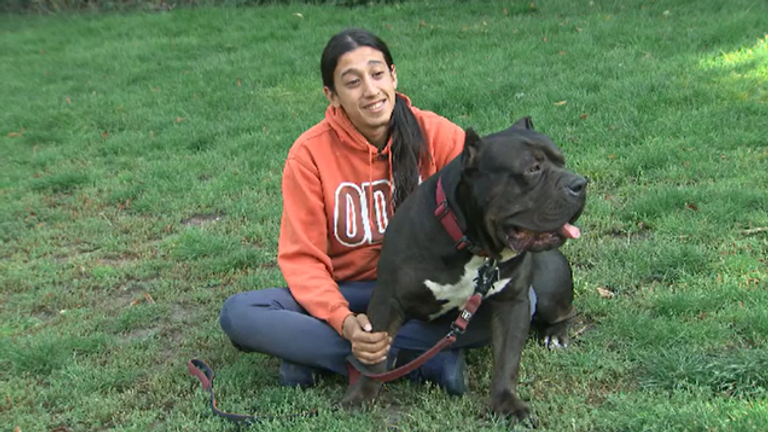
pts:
pixel 359 394
pixel 508 405
pixel 555 336
pixel 351 403
pixel 556 342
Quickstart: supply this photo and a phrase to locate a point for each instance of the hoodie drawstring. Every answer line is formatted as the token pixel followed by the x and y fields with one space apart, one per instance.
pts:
pixel 391 179
pixel 370 184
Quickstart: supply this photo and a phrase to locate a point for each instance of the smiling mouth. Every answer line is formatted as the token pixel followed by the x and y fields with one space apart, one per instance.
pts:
pixel 376 106
pixel 521 240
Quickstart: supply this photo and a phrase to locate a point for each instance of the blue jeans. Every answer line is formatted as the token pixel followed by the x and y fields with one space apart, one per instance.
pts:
pixel 270 321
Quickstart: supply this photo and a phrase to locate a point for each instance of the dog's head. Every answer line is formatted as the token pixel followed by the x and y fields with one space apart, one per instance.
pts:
pixel 518 179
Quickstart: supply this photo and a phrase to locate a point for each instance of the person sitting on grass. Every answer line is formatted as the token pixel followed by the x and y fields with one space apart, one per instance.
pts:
pixel 342 181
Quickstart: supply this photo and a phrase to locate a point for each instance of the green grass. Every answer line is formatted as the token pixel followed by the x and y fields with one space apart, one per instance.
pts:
pixel 142 153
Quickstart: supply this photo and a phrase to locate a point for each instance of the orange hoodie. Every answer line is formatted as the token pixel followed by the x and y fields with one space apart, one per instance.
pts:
pixel 336 205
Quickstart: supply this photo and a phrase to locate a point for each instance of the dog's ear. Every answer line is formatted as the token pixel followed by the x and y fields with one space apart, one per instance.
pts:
pixel 469 157
pixel 524 123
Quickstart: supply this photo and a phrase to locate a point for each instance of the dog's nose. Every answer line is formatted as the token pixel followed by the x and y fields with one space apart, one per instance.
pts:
pixel 577 185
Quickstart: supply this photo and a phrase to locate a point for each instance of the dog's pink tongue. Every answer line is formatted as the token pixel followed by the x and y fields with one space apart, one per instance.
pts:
pixel 570 231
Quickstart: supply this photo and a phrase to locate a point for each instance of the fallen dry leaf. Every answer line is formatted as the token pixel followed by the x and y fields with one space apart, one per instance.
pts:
pixel 135 302
pixel 69 101
pixel 16 134
pixel 238 82
pixel 561 103
pixel 104 134
pixel 505 11
pixel 149 298
pixel 179 119
pixel 611 156
pixel 604 293
pixel 692 207
pixel 584 116
pixel 561 53
pixel 544 39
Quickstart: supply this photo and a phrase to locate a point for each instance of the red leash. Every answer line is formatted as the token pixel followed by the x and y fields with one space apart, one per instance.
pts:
pixel 204 373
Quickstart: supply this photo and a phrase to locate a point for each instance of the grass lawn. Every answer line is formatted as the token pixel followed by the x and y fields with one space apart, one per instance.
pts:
pixel 140 166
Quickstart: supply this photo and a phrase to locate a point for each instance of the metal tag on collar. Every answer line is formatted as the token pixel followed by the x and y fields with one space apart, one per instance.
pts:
pixel 487 275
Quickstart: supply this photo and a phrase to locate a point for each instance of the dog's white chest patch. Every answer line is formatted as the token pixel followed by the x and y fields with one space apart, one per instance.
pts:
pixel 456 294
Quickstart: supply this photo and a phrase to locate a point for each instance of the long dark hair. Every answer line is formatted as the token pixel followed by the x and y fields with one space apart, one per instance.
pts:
pixel 408 145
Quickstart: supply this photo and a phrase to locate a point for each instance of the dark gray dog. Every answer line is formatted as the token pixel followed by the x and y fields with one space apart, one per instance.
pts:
pixel 515 202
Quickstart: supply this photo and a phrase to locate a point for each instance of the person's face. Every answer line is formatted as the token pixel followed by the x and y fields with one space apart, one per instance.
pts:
pixel 365 89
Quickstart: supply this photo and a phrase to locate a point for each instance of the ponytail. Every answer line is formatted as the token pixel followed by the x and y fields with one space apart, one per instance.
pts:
pixel 408 150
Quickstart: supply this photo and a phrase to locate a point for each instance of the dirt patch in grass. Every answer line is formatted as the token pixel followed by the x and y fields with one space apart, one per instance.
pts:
pixel 580 326
pixel 642 232
pixel 182 313
pixel 393 415
pixel 129 292
pixel 118 261
pixel 140 334
pixel 43 313
pixel 203 218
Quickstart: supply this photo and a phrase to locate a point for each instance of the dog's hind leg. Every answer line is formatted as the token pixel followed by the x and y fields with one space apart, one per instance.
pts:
pixel 385 315
pixel 509 327
pixel 553 285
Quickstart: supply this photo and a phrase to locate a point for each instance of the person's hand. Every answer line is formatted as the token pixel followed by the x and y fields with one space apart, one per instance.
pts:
pixel 369 348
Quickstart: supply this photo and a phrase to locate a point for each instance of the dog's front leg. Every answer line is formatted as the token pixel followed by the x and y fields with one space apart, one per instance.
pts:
pixel 385 315
pixel 509 327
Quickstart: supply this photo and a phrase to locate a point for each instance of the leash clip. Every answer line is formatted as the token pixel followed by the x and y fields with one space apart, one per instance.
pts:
pixel 487 275
pixel 459 326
